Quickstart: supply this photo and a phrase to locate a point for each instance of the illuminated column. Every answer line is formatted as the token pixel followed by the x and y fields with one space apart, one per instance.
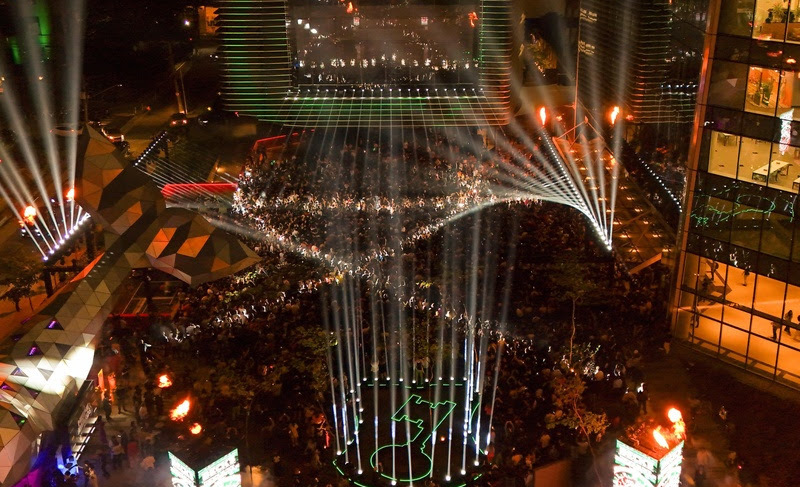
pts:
pixel 651 457
pixel 644 467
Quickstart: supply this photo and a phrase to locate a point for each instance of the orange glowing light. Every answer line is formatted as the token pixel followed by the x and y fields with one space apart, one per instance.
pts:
pixel 613 115
pixel 662 442
pixel 543 115
pixel 350 7
pixel 164 381
pixel 791 60
pixel 71 194
pixel 181 410
pixel 196 428
pixel 29 213
pixel 472 18
pixel 678 426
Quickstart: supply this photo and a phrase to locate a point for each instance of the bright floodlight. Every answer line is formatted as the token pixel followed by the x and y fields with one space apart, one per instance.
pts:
pixel 29 213
pixel 71 194
pixel 543 115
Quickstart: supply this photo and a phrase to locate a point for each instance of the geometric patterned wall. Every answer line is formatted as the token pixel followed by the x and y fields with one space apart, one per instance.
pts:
pixel 51 355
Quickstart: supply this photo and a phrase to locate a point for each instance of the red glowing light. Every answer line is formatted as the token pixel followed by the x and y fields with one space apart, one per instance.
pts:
pixel 181 410
pixel 164 381
pixel 350 8
pixel 196 429
pixel 472 18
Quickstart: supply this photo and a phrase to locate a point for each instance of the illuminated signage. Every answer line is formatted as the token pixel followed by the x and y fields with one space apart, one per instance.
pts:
pixel 423 20
pixel 222 473
pixel 633 468
pixel 182 474
pixel 670 468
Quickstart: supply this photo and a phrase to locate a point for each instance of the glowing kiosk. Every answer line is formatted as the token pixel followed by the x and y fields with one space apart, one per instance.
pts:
pixel 198 465
pixel 650 456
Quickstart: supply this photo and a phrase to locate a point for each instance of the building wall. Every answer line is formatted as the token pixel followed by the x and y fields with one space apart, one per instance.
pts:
pixel 641 55
pixel 738 284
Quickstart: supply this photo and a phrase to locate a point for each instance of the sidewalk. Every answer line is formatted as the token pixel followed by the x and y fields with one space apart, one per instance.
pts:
pixel 758 419
pixel 134 475
pixel 670 386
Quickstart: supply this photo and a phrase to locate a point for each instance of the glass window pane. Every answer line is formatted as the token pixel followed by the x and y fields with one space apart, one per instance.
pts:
pixel 736 317
pixel 766 53
pixel 785 159
pixel 733 48
pixel 728 84
pixel 723 156
pixel 769 296
pixel 736 17
pixel 762 351
pixel 754 161
pixel 740 287
pixel 789 363
pixel 762 90
pixel 770 19
pixel 743 259
pixel 776 235
pixel 706 334
pixel 793 304
pixel 734 343
pixel 796 244
pixel 772 267
pixel 683 325
pixel 793 26
pixel 789 99
pixel 712 217
pixel 690 273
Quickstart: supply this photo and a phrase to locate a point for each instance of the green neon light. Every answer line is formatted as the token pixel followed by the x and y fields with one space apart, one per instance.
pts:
pixel 400 416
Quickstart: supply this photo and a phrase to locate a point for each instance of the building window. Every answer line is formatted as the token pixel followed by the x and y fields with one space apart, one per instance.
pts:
pixel 754 157
pixel 789 97
pixel 728 84
pixel 723 156
pixel 770 18
pixel 762 90
pixel 736 17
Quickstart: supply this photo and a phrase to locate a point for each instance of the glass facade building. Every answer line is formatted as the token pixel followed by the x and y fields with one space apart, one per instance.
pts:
pixel 738 285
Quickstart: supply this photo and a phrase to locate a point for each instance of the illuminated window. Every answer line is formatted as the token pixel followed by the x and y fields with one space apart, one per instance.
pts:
pixel 723 155
pixel 762 90
pixel 770 18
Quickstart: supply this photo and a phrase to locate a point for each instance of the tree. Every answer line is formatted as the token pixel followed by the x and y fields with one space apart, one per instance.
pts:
pixel 21 276
pixel 572 283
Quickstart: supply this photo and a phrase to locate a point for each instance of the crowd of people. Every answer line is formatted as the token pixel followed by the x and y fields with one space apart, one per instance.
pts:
pixel 410 220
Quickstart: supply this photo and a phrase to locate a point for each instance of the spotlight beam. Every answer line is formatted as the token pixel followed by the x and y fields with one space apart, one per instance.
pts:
pixel 38 82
